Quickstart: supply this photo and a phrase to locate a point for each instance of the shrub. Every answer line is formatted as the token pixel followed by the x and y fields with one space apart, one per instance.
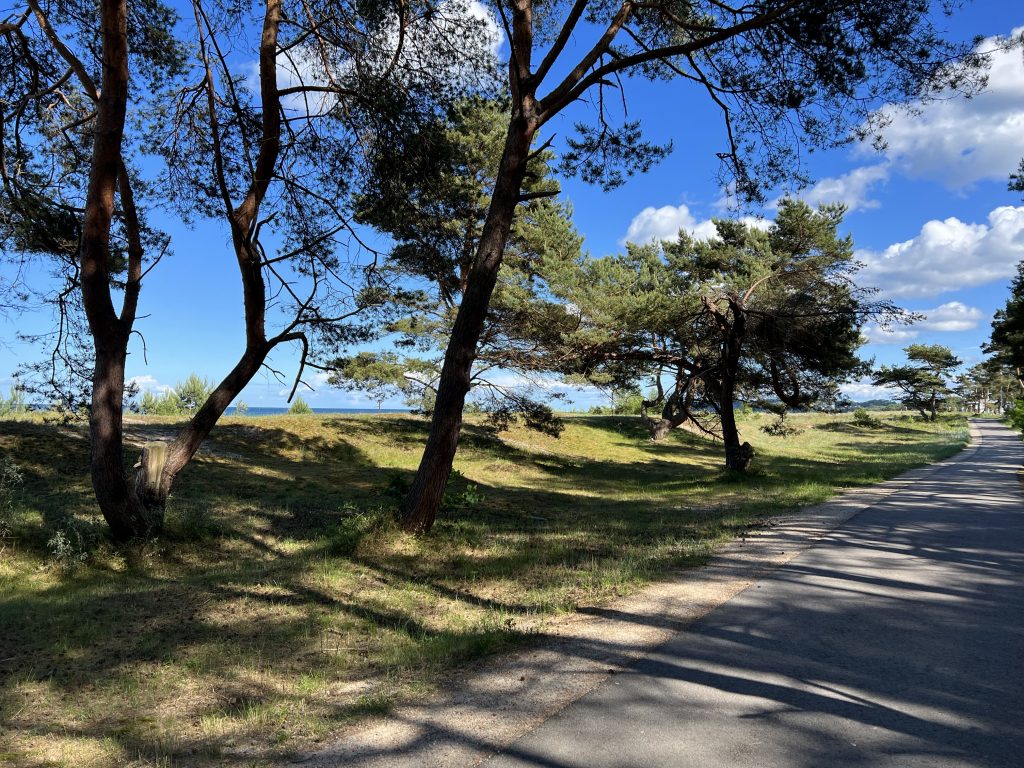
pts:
pixel 299 407
pixel 71 544
pixel 460 494
pixel 16 402
pixel 183 400
pixel 862 418
pixel 779 428
pixel 241 408
pixel 344 537
pixel 10 479
pixel 627 402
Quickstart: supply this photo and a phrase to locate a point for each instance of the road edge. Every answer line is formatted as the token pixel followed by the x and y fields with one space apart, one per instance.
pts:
pixel 500 699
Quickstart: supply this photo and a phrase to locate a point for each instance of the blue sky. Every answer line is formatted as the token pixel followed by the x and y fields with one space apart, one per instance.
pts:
pixel 931 219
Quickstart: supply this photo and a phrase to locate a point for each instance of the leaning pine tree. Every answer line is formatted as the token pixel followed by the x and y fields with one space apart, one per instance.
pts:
pixel 780 71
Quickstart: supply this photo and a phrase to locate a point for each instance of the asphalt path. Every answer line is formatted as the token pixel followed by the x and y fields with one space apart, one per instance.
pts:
pixel 897 640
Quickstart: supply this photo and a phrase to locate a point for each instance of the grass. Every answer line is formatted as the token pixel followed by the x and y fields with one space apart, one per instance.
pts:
pixel 281 606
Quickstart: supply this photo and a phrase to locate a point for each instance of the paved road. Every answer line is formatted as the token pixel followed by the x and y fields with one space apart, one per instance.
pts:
pixel 896 641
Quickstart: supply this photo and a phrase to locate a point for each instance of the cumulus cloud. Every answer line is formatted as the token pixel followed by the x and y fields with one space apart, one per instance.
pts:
pixel 652 225
pixel 148 383
pixel 877 334
pixel 951 316
pixel 948 255
pixel 864 390
pixel 959 141
pixel 851 189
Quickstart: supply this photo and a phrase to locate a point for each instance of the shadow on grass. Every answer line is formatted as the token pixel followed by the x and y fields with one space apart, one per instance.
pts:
pixel 243 581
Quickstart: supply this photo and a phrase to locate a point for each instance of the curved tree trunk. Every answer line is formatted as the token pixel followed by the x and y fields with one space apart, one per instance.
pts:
pixel 155 490
pixel 419 508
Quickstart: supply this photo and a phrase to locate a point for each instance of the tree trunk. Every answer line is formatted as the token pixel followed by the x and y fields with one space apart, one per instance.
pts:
pixel 127 517
pixel 116 497
pixel 735 458
pixel 419 508
pixel 186 443
pixel 660 428
pixel 254 293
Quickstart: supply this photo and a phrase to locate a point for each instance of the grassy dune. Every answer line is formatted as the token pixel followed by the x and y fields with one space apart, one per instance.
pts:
pixel 281 606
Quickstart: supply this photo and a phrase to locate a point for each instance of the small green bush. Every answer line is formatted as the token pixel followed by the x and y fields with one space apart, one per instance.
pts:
pixel 183 400
pixel 71 544
pixel 343 538
pixel 779 428
pixel 862 418
pixel 460 494
pixel 299 407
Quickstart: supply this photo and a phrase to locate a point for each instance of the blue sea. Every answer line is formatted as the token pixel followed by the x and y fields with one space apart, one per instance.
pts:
pixel 254 410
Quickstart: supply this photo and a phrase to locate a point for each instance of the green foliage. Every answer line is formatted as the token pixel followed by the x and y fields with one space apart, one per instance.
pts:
pixel 461 494
pixel 192 393
pixel 627 402
pixel 863 418
pixel 1017 179
pixel 71 543
pixel 989 386
pixel 749 314
pixel 1007 339
pixel 779 428
pixel 299 407
pixel 10 481
pixel 1015 415
pixel 15 402
pixel 345 536
pixel 433 203
pixel 184 399
pixel 241 408
pixel 923 381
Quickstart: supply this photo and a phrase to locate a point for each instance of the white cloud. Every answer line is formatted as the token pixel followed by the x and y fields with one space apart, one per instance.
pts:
pixel 652 225
pixel 865 390
pixel 493 33
pixel 851 189
pixel 960 141
pixel 948 255
pixel 877 334
pixel 951 316
pixel 148 383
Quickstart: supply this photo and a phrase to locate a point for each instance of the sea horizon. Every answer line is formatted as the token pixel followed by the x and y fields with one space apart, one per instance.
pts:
pixel 263 410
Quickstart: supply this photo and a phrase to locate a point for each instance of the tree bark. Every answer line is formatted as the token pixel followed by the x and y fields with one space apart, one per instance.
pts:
pixel 419 508
pixel 120 505
pixel 737 456
pixel 247 255
pixel 191 437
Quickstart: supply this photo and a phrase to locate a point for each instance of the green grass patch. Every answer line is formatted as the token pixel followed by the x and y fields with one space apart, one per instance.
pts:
pixel 282 604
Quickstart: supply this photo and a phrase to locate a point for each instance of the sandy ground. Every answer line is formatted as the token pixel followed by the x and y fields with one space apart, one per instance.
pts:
pixel 488 706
